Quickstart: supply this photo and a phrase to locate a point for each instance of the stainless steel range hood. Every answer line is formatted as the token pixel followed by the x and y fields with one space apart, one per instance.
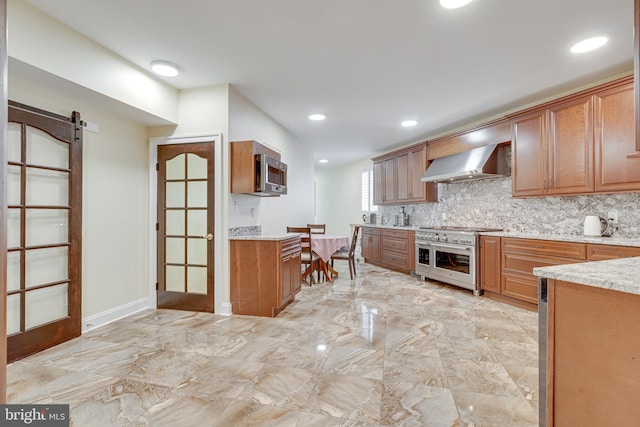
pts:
pixel 478 163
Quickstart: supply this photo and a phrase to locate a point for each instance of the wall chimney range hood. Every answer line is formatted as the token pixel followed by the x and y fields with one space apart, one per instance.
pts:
pixel 478 163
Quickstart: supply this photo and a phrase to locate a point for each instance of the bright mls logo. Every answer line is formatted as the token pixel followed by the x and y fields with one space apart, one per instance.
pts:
pixel 34 415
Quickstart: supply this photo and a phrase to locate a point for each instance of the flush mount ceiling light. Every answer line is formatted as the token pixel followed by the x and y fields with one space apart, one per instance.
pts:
pixel 454 4
pixel 589 44
pixel 317 117
pixel 164 68
pixel 409 123
pixel 323 161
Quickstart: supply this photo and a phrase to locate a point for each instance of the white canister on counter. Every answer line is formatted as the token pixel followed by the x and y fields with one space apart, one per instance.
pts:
pixel 592 226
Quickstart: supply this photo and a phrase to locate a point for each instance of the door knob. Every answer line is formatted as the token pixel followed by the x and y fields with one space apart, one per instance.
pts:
pixel 208 237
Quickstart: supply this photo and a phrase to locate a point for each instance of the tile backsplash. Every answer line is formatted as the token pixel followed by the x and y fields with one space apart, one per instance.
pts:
pixel 488 203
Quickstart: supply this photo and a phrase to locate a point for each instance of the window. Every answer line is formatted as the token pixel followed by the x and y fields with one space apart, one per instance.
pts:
pixel 367 192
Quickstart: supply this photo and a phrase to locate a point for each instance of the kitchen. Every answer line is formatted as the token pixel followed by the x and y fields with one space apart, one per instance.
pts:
pixel 458 203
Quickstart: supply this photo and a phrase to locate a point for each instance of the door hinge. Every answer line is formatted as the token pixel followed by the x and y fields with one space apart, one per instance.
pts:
pixel 157 226
pixel 157 286
pixel 157 167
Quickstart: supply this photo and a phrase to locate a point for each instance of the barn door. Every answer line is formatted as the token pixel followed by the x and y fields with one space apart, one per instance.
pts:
pixel 44 229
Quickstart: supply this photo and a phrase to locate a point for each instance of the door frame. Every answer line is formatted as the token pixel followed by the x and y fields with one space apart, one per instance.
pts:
pixel 216 140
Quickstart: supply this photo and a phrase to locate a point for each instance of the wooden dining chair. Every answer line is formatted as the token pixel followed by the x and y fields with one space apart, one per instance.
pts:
pixel 317 228
pixel 310 260
pixel 349 255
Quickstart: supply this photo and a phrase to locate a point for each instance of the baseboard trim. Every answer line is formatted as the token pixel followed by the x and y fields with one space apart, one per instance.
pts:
pixel 225 309
pixel 101 319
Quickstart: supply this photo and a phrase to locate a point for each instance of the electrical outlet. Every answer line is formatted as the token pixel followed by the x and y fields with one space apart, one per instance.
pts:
pixel 613 217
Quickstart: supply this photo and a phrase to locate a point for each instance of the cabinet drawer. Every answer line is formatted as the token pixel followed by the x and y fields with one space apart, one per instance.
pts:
pixel 546 247
pixel 523 288
pixel 370 230
pixel 398 245
pixel 604 252
pixel 401 234
pixel 395 259
pixel 523 264
pixel 290 246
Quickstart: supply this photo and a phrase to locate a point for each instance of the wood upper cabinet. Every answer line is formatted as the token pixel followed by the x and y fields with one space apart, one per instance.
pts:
pixel 389 177
pixel 384 181
pixel 577 146
pixel 378 183
pixel 570 149
pixel 396 177
pixel 553 150
pixel 529 151
pixel 410 166
pixel 614 139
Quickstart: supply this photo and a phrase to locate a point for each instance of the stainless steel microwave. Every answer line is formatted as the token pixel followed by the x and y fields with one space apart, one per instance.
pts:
pixel 271 176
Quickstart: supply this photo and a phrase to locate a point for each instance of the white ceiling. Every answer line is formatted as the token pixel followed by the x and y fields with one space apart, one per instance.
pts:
pixel 366 64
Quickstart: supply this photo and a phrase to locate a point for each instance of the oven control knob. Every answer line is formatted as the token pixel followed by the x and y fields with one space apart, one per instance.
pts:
pixel 443 238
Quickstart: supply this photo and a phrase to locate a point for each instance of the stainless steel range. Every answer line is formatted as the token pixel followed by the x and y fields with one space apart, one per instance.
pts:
pixel 450 255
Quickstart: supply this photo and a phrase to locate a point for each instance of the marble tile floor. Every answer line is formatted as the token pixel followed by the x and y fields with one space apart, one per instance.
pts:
pixel 383 350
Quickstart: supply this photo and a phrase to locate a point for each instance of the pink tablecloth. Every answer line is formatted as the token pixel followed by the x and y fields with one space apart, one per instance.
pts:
pixel 326 245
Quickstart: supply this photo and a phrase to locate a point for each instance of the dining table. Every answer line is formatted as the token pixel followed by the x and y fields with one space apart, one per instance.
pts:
pixel 325 245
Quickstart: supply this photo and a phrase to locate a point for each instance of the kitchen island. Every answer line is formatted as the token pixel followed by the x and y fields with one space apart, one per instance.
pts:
pixel 592 351
pixel 265 273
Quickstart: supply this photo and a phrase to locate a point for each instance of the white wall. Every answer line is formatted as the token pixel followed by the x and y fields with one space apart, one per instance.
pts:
pixel 42 42
pixel 248 122
pixel 115 195
pixel 339 193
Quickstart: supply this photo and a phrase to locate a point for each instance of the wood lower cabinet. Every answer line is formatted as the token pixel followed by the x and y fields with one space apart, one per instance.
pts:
pixel 521 256
pixel 490 262
pixel 593 353
pixel 265 275
pixel 605 252
pixel 371 244
pixel 389 248
pixel 507 263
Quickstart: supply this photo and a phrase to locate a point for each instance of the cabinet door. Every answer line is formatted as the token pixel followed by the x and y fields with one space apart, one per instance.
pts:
pixel 529 154
pixel 490 263
pixel 296 277
pixel 389 176
pixel 417 166
pixel 615 138
pixel 571 147
pixel 286 282
pixel 403 176
pixel 378 183
pixel 371 246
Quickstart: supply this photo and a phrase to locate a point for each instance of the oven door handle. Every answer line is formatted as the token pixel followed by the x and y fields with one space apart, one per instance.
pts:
pixel 456 248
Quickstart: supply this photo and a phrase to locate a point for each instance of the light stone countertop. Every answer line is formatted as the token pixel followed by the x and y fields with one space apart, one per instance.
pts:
pixel 275 237
pixel 617 274
pixel 614 241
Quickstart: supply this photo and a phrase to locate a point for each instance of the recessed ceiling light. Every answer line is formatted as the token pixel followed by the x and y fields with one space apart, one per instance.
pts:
pixel 589 44
pixel 409 123
pixel 316 117
pixel 164 68
pixel 454 4
pixel 323 161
